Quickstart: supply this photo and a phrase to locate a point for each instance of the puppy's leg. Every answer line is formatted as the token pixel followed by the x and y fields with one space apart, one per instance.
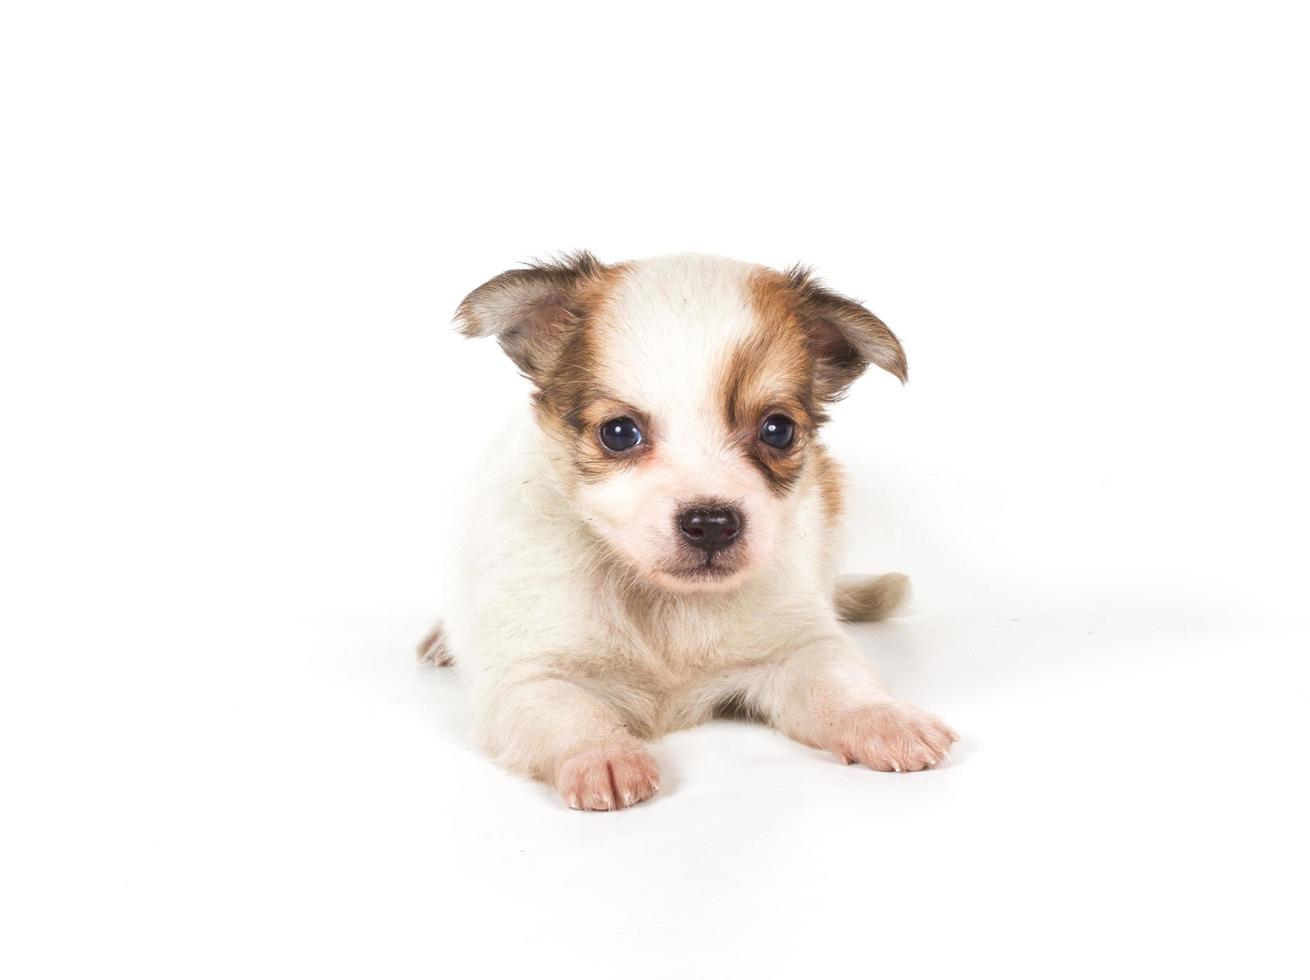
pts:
pixel 825 695
pixel 560 732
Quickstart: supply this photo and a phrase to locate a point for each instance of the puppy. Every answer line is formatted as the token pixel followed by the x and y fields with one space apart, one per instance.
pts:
pixel 655 540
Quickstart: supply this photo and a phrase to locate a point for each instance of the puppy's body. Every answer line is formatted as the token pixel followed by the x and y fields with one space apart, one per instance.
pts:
pixel 598 609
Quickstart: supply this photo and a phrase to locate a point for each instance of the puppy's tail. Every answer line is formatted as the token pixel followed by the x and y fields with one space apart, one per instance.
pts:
pixel 433 649
pixel 866 598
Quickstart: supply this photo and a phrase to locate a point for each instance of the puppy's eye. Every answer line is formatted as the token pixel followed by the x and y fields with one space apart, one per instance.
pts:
pixel 778 431
pixel 619 435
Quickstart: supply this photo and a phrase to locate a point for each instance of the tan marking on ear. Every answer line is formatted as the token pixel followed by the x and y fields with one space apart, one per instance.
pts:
pixel 533 311
pixel 842 336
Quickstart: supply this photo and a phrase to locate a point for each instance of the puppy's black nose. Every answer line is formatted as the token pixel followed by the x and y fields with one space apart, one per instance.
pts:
pixel 710 528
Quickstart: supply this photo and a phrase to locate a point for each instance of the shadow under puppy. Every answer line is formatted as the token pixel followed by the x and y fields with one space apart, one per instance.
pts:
pixel 655 539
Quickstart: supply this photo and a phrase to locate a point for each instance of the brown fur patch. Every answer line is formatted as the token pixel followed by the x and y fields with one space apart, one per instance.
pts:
pixel 571 402
pixel 772 372
pixel 831 482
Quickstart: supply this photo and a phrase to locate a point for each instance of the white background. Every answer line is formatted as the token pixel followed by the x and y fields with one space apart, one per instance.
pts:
pixel 235 423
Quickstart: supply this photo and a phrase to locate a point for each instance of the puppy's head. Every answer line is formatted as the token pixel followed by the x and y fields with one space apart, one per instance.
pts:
pixel 684 395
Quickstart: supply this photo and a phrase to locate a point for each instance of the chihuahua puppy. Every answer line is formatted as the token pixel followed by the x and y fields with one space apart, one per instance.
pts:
pixel 656 540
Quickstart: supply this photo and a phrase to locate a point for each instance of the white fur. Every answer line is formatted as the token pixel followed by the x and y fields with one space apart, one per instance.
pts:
pixel 580 646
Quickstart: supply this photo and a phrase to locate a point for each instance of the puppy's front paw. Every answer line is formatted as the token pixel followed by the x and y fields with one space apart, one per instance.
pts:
pixel 892 737
pixel 608 778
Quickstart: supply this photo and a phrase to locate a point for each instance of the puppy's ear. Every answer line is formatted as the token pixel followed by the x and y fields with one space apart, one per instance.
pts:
pixel 531 311
pixel 844 336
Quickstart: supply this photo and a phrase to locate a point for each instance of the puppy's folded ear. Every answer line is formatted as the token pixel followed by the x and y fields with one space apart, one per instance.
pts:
pixel 844 336
pixel 531 311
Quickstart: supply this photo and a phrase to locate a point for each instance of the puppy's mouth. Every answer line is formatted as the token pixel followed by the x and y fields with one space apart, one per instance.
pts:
pixel 707 569
pixel 710 571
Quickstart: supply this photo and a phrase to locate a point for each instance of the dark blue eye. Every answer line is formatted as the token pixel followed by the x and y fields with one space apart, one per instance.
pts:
pixel 619 435
pixel 778 431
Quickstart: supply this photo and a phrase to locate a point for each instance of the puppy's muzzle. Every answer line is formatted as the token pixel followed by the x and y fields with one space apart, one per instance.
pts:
pixel 710 528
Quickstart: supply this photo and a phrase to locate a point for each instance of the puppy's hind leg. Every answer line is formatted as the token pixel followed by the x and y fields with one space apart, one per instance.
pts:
pixel 868 598
pixel 433 649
